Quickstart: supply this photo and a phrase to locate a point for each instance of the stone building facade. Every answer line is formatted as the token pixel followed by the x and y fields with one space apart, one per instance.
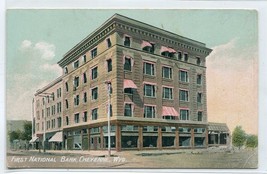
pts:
pixel 158 90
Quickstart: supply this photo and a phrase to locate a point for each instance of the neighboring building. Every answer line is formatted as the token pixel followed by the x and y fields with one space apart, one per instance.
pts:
pixel 158 97
pixel 219 134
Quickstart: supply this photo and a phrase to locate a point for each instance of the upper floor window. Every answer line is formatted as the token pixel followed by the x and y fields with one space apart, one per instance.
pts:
pixel 148 47
pixel 184 114
pixel 183 95
pixel 67 104
pixel 109 65
pixel 108 42
pixel 127 41
pixel 67 86
pixel 167 52
pixel 84 77
pixel 59 122
pixel 94 114
pixel 199 116
pixel 198 61
pixel 53 96
pixel 183 76
pixel 149 90
pixel 94 73
pixel 199 97
pixel 199 79
pixel 149 68
pixel 85 116
pixel 149 111
pixel 185 57
pixel 128 110
pixel 66 70
pixel 167 93
pixel 76 118
pixel 76 100
pixel 180 56
pixel 128 90
pixel 166 72
pixel 76 81
pixel 94 93
pixel 67 120
pixel 128 63
pixel 85 97
pixel 94 53
pixel 76 64
pixel 84 58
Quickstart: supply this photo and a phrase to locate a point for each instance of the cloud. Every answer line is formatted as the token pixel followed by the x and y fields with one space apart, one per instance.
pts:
pixel 41 49
pixel 51 68
pixel 232 86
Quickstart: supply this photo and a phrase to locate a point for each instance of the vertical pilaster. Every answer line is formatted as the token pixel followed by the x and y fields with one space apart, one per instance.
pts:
pixel 140 138
pixel 177 138
pixel 207 138
pixel 192 138
pixel 101 138
pixel 118 138
pixel 159 142
pixel 89 139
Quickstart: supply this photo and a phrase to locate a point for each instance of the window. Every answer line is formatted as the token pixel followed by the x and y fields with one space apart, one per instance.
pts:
pixel 149 112
pixel 149 68
pixel 84 58
pixel 185 57
pixel 149 90
pixel 67 86
pixel 66 70
pixel 167 54
pixel 94 114
pixel 198 61
pixel 94 53
pixel 76 82
pixel 59 106
pixel 184 114
pixel 183 76
pixel 108 42
pixel 109 65
pixel 167 93
pixel 67 104
pixel 199 116
pixel 94 93
pixel 128 90
pixel 128 110
pixel 183 94
pixel 84 77
pixel 58 93
pixel 85 97
pixel 59 122
pixel 127 41
pixel 128 64
pixel 53 96
pixel 166 72
pixel 149 49
pixel 85 116
pixel 199 97
pixel 94 73
pixel 76 64
pixel 199 79
pixel 67 120
pixel 76 100
pixel 76 118
pixel 179 55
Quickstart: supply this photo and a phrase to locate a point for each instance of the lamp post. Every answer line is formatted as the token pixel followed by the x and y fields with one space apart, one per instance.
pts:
pixel 109 87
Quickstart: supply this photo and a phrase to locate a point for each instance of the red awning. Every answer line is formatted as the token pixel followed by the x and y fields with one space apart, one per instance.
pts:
pixel 164 49
pixel 169 111
pixel 146 44
pixel 129 84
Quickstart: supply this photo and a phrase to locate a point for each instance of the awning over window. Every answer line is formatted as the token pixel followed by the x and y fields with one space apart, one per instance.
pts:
pixel 129 84
pixel 145 44
pixel 169 111
pixel 33 140
pixel 164 49
pixel 58 137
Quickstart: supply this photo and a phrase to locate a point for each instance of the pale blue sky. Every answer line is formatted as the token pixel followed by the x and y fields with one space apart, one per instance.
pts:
pixel 37 39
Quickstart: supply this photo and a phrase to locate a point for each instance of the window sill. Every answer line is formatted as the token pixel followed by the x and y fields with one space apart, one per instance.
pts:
pixel 167 99
pixel 150 97
pixel 185 83
pixel 150 76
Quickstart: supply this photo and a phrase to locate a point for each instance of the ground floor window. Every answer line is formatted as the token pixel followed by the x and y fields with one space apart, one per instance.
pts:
pixel 150 141
pixel 112 142
pixel 129 141
pixel 213 138
pixel 168 141
pixel 184 141
pixel 199 141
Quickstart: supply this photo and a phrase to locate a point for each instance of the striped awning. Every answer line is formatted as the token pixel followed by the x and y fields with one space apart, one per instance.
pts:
pixel 58 137
pixel 33 140
pixel 145 44
pixel 129 84
pixel 164 49
pixel 169 111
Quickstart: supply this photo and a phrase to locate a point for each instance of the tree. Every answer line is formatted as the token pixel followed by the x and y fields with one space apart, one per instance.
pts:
pixel 14 135
pixel 27 132
pixel 252 141
pixel 239 137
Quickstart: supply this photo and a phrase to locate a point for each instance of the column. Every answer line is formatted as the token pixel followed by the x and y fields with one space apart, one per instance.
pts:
pixel 101 137
pixel 207 138
pixel 118 138
pixel 159 142
pixel 177 138
pixel 89 139
pixel 140 138
pixel 192 138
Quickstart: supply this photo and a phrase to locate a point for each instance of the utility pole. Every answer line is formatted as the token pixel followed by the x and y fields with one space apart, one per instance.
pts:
pixel 109 88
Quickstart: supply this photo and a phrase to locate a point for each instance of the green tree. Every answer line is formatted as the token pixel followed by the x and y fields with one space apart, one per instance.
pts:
pixel 252 141
pixel 14 135
pixel 27 132
pixel 239 137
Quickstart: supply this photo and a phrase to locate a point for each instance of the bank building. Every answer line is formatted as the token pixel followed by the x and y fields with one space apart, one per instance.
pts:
pixel 147 83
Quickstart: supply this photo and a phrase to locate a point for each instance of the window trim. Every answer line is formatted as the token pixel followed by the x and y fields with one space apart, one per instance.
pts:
pixel 132 62
pixel 75 118
pixel 155 107
pixel 184 108
pixel 132 109
pixel 130 39
pixel 152 63
pixel 92 113
pixel 201 97
pixel 184 70
pixel 91 51
pixel 107 44
pixel 152 84
pixel 201 115
pixel 188 98
pixel 92 93
pixel 184 57
pixel 106 65
pixel 91 69
pixel 170 87
pixel 171 72
pixel 201 79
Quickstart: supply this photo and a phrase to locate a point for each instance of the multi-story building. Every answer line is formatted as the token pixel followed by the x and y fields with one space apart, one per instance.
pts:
pixel 158 90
